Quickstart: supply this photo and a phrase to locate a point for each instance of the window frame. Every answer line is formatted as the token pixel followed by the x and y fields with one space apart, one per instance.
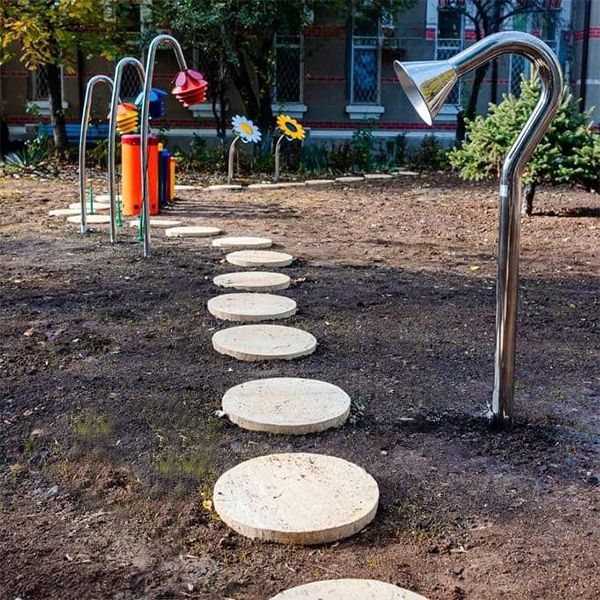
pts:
pixel 300 45
pixel 378 48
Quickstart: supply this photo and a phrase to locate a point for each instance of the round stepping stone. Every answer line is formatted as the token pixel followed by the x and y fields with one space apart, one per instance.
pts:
pixel 160 223
pixel 264 342
pixel 90 219
pixel 251 308
pixel 192 231
pixel 63 212
pixel 242 242
pixel 102 198
pixel 298 498
pixel 254 281
pixel 97 206
pixel 259 258
pixel 348 589
pixel 287 405
pixel 319 181
pixel 349 179
pixel 377 176
pixel 223 186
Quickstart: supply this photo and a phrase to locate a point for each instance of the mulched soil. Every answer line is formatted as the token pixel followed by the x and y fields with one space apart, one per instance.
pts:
pixel 109 442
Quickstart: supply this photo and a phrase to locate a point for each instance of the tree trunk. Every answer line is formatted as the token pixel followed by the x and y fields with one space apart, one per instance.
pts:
pixel 471 111
pixel 528 194
pixel 57 115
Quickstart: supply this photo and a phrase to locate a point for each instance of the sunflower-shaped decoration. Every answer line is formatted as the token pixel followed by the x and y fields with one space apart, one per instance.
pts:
pixel 190 87
pixel 290 127
pixel 157 102
pixel 127 118
pixel 246 129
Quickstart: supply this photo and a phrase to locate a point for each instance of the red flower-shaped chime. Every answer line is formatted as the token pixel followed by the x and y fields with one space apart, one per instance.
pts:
pixel 190 87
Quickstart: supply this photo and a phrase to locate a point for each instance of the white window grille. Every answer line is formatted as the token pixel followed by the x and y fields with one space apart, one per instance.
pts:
pixel 289 69
pixel 365 62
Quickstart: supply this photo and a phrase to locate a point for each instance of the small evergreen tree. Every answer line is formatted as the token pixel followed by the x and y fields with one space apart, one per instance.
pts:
pixel 568 152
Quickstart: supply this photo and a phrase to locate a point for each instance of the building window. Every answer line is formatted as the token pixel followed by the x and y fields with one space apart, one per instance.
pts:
pixel 289 69
pixel 546 26
pixel 365 61
pixel 448 42
pixel 38 85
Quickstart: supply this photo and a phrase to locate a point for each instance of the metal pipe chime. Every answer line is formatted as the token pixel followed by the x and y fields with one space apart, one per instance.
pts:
pixel 145 126
pixel 427 85
pixel 115 210
pixel 85 120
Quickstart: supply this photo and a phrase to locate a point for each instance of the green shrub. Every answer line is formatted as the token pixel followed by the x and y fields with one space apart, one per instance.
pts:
pixel 363 149
pixel 428 156
pixel 568 152
pixel 35 153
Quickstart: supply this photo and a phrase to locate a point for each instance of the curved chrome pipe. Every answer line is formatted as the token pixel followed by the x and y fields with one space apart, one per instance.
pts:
pixel 85 120
pixel 427 85
pixel 145 126
pixel 277 158
pixel 231 160
pixel 112 135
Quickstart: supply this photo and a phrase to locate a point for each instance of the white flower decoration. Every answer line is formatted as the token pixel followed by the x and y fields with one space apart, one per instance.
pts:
pixel 246 129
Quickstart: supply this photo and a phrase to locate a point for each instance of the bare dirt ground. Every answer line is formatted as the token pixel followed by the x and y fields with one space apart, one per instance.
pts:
pixel 108 388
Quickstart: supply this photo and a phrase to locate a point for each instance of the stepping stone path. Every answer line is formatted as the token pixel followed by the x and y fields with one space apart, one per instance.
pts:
pixel 348 589
pixel 288 405
pixel 298 498
pixel 160 223
pixel 320 181
pixel 90 219
pixel 97 206
pixel 223 186
pixel 259 258
pixel 349 179
pixel 242 242
pixel 63 212
pixel 192 231
pixel 251 308
pixel 264 342
pixel 378 176
pixel 254 281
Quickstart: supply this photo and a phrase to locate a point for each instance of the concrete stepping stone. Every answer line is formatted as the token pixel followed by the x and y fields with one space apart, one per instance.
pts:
pixel 254 281
pixel 259 258
pixel 90 219
pixel 223 186
pixel 264 342
pixel 349 179
pixel 320 181
pixel 183 188
pixel 97 206
pixel 192 231
pixel 265 186
pixel 289 405
pixel 376 176
pixel 63 212
pixel 242 242
pixel 157 222
pixel 348 589
pixel 251 308
pixel 299 498
pixel 102 198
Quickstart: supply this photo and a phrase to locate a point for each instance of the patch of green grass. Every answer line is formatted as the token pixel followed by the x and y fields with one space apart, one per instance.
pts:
pixel 90 425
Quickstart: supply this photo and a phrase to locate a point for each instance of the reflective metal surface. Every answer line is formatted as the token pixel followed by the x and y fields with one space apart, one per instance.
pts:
pixel 278 158
pixel 112 136
pixel 85 121
pixel 427 91
pixel 231 158
pixel 145 125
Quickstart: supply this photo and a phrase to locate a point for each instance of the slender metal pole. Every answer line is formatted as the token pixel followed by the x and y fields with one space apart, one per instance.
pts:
pixel 112 136
pixel 277 152
pixel 85 120
pixel 231 157
pixel 145 125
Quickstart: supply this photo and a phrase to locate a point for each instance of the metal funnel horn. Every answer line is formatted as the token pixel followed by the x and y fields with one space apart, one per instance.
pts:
pixel 427 85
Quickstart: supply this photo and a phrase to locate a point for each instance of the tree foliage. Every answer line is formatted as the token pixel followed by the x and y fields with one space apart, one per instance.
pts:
pixel 569 152
pixel 50 33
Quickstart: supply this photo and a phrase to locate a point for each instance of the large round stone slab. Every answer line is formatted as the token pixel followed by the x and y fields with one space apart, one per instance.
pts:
pixel 348 589
pixel 192 231
pixel 90 219
pixel 289 405
pixel 242 242
pixel 254 281
pixel 259 258
pixel 100 206
pixel 264 342
pixel 157 222
pixel 251 308
pixel 298 498
pixel 63 212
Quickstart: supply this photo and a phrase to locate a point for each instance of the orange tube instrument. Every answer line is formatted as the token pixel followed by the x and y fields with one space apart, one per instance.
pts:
pixel 131 196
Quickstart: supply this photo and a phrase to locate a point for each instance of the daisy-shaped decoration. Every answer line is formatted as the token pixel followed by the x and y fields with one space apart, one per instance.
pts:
pixel 246 129
pixel 290 127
